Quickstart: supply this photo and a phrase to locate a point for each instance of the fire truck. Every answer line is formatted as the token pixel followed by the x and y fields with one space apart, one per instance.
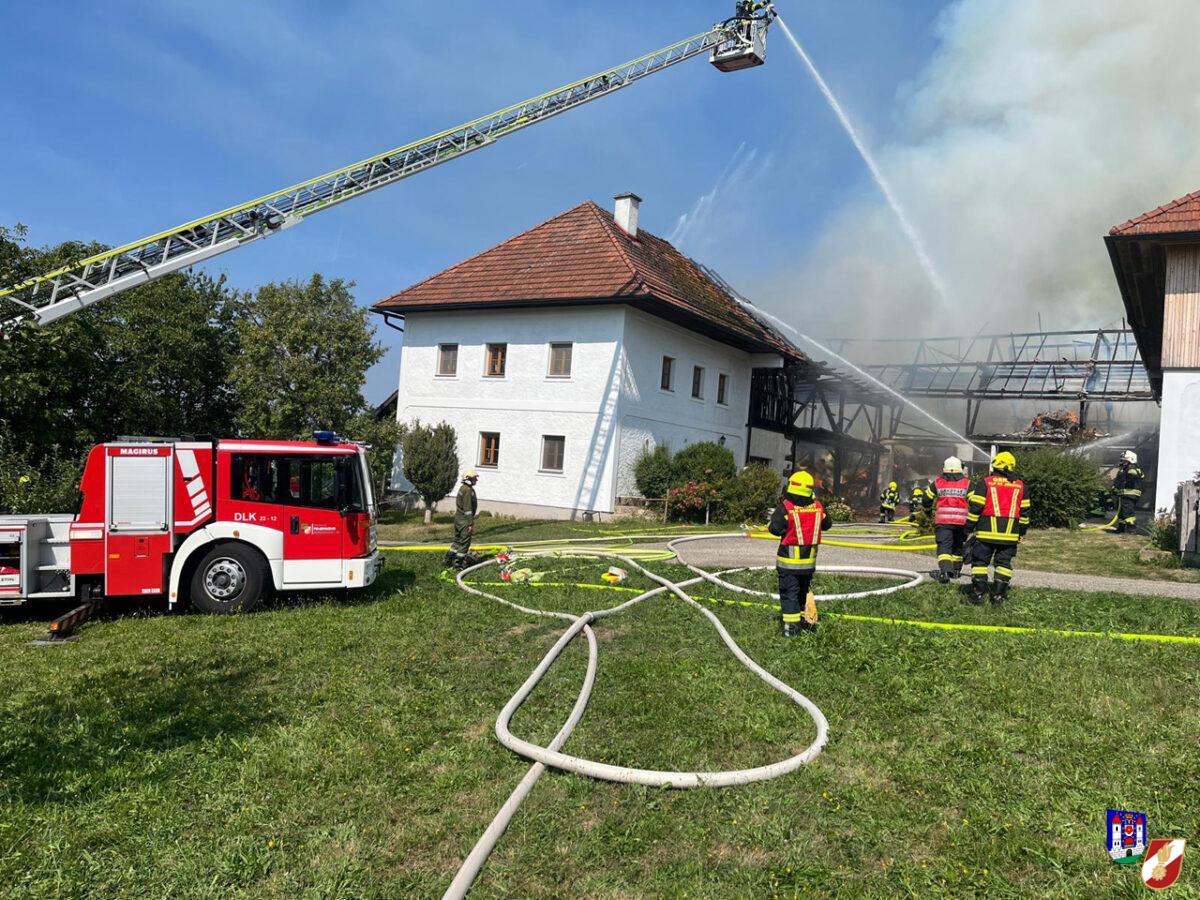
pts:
pixel 220 523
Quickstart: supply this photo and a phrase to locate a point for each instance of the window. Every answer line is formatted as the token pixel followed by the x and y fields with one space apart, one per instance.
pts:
pixel 698 382
pixel 560 360
pixel 759 461
pixel 723 389
pixel 497 354
pixel 553 449
pixel 489 448
pixel 668 374
pixel 254 478
pixel 447 359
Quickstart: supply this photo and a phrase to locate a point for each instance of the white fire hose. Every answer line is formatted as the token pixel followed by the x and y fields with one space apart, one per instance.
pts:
pixel 551 755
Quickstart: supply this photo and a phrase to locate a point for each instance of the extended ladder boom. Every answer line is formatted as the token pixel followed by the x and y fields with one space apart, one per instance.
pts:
pixel 736 43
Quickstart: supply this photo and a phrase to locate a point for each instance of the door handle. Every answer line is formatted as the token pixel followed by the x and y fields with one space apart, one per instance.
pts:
pixel 295 524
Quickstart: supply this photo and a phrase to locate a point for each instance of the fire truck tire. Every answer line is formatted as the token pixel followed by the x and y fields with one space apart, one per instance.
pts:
pixel 231 578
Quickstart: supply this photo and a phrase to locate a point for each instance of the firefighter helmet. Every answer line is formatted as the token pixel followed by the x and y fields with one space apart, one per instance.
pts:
pixel 952 464
pixel 1004 462
pixel 892 485
pixel 1130 457
pixel 801 483
pixel 470 474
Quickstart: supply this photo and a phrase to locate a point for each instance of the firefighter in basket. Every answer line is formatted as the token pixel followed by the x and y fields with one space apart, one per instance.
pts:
pixel 999 518
pixel 798 521
pixel 466 504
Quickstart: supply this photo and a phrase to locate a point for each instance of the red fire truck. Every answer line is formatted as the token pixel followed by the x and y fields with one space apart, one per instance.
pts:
pixel 219 522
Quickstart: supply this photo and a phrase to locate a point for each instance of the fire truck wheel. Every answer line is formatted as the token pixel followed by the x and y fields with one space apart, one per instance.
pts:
pixel 229 579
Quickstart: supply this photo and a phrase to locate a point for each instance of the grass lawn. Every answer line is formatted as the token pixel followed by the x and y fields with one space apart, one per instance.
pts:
pixel 1098 553
pixel 344 748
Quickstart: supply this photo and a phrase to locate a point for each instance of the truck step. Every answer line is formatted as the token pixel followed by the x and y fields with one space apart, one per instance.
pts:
pixel 55 567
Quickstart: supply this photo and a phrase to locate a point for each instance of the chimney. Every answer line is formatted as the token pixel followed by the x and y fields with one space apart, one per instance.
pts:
pixel 626 213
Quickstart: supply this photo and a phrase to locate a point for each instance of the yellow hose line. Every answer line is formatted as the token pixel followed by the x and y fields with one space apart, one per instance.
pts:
pixel 1109 524
pixel 1011 629
pixel 915 623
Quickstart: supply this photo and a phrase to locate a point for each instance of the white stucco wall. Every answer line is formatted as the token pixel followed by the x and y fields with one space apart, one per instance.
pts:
pixel 1179 434
pixel 525 404
pixel 608 410
pixel 651 416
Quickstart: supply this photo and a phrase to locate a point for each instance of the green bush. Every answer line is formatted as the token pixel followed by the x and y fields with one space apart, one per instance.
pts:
pixel 1062 487
pixel 704 461
pixel 839 510
pixel 49 485
pixel 654 472
pixel 749 496
pixel 1164 533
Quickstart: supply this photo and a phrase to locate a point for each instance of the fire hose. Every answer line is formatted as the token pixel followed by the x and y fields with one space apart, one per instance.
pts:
pixel 551 754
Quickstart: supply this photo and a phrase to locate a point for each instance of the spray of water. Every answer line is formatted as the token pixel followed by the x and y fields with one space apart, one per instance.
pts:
pixel 906 225
pixel 826 351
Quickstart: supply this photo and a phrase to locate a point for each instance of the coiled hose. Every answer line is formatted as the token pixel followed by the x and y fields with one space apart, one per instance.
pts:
pixel 551 754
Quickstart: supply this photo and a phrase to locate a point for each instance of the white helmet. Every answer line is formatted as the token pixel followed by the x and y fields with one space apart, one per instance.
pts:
pixel 952 464
pixel 469 474
pixel 1130 457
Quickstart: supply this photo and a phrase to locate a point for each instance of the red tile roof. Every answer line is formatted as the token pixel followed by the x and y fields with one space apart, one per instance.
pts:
pixel 1177 217
pixel 583 255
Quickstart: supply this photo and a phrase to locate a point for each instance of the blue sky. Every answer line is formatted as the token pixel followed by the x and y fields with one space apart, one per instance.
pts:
pixel 131 117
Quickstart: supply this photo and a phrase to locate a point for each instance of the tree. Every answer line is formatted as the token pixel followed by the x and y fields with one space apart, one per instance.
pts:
pixel 305 351
pixel 382 437
pixel 430 457
pixel 153 361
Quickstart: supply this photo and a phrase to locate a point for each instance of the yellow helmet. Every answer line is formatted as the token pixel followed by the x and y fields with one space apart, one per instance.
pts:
pixel 892 485
pixel 801 483
pixel 1004 462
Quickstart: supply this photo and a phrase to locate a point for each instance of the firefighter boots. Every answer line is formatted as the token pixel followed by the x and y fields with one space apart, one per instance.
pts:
pixel 999 592
pixel 975 597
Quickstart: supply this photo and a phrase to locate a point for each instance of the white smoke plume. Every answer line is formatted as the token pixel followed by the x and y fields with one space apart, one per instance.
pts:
pixel 1036 126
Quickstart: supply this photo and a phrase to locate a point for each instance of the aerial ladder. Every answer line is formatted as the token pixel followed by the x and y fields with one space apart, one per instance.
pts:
pixel 737 43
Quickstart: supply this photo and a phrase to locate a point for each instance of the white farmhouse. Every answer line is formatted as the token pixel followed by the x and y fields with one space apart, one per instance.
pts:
pixel 558 355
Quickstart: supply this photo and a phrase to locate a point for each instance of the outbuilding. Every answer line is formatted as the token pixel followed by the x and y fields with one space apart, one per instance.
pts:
pixel 1156 258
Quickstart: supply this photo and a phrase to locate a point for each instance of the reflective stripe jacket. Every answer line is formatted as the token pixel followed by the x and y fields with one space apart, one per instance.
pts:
pixel 798 523
pixel 1128 482
pixel 951 500
pixel 889 498
pixel 1000 512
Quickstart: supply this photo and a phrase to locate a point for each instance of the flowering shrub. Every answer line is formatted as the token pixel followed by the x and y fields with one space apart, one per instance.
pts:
pixel 690 499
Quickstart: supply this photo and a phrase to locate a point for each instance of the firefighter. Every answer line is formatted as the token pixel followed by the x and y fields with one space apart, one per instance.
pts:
pixel 916 500
pixel 1128 488
pixel 999 518
pixel 466 504
pixel 747 9
pixel 887 502
pixel 798 521
pixel 950 518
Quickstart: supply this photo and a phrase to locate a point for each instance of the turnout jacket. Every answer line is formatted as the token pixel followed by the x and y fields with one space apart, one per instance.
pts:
pixel 798 522
pixel 951 502
pixel 465 503
pixel 1128 482
pixel 889 498
pixel 999 512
